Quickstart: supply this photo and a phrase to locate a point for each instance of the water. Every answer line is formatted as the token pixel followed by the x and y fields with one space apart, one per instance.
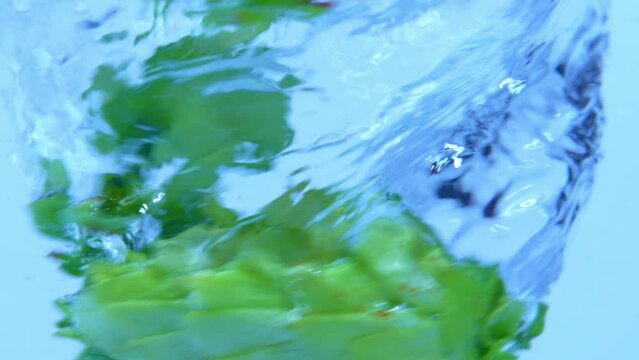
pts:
pixel 483 119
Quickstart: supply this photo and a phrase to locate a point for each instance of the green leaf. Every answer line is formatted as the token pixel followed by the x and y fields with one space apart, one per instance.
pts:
pixel 235 293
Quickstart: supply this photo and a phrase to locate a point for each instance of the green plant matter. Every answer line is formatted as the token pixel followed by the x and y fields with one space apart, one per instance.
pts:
pixel 294 282
pixel 310 276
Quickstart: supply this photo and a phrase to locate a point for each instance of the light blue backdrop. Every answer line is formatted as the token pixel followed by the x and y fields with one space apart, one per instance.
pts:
pixel 594 311
pixel 594 307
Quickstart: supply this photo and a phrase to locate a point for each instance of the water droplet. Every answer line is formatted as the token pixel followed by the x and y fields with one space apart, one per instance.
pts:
pixel 512 85
pixel 159 197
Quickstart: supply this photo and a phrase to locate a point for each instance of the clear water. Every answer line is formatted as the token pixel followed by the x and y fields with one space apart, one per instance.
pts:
pixel 484 117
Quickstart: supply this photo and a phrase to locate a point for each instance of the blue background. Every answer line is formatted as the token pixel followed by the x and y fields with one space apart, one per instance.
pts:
pixel 594 306
pixel 594 310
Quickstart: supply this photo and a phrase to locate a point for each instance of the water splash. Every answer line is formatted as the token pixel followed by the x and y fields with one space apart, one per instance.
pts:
pixel 486 121
pixel 482 118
